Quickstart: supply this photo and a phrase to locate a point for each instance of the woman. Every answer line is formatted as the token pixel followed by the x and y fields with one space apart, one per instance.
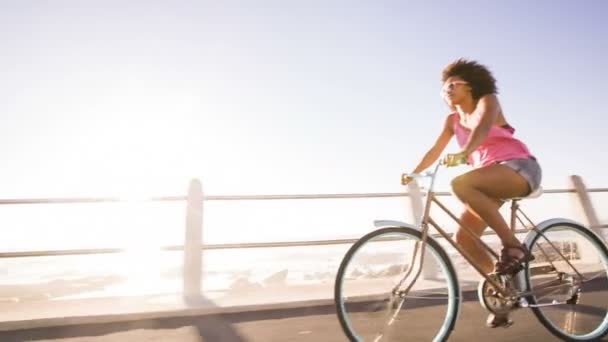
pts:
pixel 503 166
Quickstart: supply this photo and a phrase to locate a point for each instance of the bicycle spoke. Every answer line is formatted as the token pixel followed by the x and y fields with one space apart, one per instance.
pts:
pixel 567 285
pixel 380 284
pixel 570 324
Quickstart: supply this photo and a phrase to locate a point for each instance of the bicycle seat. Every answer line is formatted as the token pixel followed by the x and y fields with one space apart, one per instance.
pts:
pixel 534 194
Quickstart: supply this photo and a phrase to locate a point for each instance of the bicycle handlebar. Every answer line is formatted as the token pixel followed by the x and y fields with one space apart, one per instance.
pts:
pixel 430 174
pixel 441 162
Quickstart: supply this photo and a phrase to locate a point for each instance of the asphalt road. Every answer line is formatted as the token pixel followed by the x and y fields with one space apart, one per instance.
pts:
pixel 316 324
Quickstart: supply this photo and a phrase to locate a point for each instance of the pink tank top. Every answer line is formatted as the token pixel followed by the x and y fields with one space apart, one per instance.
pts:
pixel 499 145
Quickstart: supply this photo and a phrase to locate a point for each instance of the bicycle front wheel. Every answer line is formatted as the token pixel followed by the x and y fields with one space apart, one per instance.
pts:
pixel 568 281
pixel 370 289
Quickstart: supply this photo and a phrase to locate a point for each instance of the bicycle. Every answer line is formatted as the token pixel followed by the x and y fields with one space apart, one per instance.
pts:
pixel 378 285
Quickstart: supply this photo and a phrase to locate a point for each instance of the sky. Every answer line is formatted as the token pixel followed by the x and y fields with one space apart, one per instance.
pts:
pixel 107 98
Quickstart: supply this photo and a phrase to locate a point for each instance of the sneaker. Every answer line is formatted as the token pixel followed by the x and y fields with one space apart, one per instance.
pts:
pixel 496 320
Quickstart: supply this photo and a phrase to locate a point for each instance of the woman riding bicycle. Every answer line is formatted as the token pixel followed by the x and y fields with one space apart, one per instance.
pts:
pixel 503 166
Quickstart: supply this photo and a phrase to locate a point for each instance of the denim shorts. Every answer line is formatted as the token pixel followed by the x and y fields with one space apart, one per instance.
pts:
pixel 527 168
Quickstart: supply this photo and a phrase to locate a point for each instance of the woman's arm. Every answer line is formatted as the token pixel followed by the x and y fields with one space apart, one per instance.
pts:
pixel 442 141
pixel 489 109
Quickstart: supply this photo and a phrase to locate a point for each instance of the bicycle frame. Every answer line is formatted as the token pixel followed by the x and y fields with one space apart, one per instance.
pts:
pixel 516 214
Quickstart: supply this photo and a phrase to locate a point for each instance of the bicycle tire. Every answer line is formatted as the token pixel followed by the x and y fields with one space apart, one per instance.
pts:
pixel 453 297
pixel 588 306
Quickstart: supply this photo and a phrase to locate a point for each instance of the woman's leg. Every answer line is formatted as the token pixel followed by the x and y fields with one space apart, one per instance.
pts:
pixel 471 243
pixel 481 188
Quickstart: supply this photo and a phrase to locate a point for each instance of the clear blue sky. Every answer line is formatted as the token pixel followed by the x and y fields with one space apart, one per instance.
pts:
pixel 120 97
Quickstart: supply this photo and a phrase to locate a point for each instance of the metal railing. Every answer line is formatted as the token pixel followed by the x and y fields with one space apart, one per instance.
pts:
pixel 194 224
pixel 302 243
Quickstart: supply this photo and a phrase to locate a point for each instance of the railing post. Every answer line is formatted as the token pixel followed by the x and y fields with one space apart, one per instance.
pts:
pixel 586 205
pixel 430 267
pixel 193 254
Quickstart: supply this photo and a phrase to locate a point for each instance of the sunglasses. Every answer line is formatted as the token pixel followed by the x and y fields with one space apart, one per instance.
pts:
pixel 450 86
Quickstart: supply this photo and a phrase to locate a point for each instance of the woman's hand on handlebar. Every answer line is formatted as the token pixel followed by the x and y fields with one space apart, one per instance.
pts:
pixel 406 179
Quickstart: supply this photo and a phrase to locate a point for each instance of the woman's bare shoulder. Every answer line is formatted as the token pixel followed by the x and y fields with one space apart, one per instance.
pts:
pixel 491 100
pixel 450 119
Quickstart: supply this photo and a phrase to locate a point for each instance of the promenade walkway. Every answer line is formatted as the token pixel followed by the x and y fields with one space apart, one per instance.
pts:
pixel 269 314
pixel 297 323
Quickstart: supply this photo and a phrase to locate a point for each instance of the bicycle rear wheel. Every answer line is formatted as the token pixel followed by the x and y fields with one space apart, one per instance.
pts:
pixel 569 291
pixel 370 283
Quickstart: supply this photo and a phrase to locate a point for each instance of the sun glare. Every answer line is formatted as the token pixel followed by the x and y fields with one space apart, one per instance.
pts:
pixel 136 145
